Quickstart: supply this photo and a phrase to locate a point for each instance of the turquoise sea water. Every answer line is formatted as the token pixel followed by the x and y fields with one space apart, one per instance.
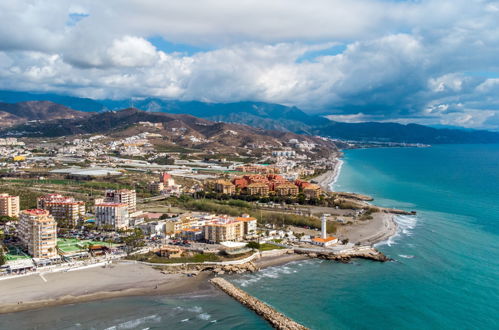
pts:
pixel 445 274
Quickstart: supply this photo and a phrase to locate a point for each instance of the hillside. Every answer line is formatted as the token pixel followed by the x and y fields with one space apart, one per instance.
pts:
pixel 19 113
pixel 274 117
pixel 172 130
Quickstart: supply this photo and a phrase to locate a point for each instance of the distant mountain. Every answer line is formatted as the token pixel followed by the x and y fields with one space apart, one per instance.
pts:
pixel 174 130
pixel 19 113
pixel 275 117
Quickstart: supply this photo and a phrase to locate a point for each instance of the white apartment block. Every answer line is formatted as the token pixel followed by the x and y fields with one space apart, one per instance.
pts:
pixel 9 205
pixel 112 214
pixel 37 231
pixel 123 196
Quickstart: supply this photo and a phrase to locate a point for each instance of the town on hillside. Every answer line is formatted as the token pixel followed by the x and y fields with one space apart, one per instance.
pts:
pixel 69 203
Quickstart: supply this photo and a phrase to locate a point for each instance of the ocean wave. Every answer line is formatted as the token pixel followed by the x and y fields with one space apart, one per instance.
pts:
pixel 405 226
pixel 132 324
pixel 204 316
pixel 271 272
pixel 405 256
pixel 337 172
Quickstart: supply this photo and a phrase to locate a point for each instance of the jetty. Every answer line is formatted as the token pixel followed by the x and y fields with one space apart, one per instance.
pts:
pixel 276 319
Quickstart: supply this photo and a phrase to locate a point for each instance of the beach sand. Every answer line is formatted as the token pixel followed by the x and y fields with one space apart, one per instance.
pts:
pixel 369 232
pixel 117 280
pixel 326 179
pixel 278 260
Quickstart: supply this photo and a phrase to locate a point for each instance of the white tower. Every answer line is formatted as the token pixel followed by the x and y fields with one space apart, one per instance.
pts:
pixel 324 226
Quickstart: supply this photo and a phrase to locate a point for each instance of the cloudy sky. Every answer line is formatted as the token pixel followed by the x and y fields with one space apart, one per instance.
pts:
pixel 429 61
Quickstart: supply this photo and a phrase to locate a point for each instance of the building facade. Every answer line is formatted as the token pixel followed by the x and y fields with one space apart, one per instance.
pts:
pixel 112 214
pixel 37 231
pixel 224 231
pixel 225 187
pixel 9 205
pixel 122 196
pixel 66 210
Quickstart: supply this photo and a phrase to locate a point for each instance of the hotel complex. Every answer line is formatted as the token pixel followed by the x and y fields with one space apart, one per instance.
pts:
pixel 9 205
pixel 37 231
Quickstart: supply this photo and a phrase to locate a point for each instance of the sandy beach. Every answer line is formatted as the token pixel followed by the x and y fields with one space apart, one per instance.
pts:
pixel 326 179
pixel 369 232
pixel 117 280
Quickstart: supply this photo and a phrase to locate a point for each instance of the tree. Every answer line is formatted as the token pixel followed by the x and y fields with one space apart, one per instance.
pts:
pixel 3 259
pixel 134 240
pixel 253 245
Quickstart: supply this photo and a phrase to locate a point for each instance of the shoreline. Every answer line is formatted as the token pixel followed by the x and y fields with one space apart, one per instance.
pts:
pixel 328 179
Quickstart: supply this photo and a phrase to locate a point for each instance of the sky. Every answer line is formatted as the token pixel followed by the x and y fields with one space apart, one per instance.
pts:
pixel 433 62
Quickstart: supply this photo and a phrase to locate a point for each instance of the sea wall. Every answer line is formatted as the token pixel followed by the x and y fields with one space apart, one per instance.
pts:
pixel 276 319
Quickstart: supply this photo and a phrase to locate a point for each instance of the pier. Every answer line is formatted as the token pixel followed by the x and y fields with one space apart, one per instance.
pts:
pixel 276 319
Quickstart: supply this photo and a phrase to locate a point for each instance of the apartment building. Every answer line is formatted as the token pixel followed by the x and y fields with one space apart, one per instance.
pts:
pixel 9 205
pixel 249 224
pixel 225 187
pixel 66 210
pixel 112 214
pixel 286 189
pixel 37 231
pixel 230 230
pixel 122 196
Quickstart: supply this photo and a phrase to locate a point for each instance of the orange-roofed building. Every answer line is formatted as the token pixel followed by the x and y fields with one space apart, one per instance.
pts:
pixel 325 241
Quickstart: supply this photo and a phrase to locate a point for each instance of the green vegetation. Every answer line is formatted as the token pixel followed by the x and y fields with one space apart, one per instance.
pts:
pixel 253 245
pixel 269 246
pixel 3 258
pixel 69 245
pixel 237 207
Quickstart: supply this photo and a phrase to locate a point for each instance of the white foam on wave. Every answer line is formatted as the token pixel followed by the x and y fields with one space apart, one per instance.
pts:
pixel 405 226
pixel 405 256
pixel 337 173
pixel 133 324
pixel 274 272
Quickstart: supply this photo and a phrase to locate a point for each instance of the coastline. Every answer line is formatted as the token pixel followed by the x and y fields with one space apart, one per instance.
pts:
pixel 99 283
pixel 329 178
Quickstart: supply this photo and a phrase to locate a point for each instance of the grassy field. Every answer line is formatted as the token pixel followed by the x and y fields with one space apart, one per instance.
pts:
pixel 268 247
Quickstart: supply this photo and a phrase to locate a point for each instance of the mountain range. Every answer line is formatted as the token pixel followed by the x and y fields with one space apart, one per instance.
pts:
pixel 266 116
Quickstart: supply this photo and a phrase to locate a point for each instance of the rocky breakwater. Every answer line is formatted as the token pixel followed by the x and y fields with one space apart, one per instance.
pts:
pixel 346 255
pixel 276 319
pixel 218 269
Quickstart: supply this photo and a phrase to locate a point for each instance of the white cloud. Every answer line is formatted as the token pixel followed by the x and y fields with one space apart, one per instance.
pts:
pixel 403 60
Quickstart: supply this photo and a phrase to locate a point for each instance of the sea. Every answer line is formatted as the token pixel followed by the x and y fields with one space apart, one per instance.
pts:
pixel 444 273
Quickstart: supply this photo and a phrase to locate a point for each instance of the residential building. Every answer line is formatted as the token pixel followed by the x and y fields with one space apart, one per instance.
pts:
pixel 192 234
pixel 286 189
pixel 258 188
pixel 123 196
pixel 37 231
pixel 225 187
pixel 166 179
pixel 249 224
pixel 66 210
pixel 230 230
pixel 112 214
pixel 312 191
pixel 156 187
pixel 9 205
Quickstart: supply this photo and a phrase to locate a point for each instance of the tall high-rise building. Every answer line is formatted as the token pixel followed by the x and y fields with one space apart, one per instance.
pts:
pixel 9 205
pixel 112 214
pixel 123 196
pixel 37 231
pixel 66 210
